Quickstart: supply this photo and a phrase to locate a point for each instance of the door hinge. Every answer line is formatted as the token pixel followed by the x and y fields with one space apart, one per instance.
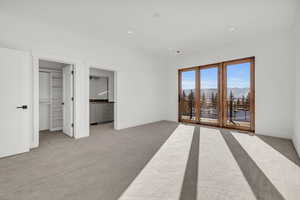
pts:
pixel 72 98
pixel 72 125
pixel 72 72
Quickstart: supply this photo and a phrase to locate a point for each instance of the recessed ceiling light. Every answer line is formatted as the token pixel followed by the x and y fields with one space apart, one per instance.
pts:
pixel 231 29
pixel 156 15
pixel 130 32
pixel 175 51
pixel 179 52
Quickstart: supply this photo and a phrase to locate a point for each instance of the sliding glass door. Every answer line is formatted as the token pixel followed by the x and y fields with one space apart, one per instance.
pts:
pixel 239 94
pixel 209 95
pixel 187 101
pixel 220 94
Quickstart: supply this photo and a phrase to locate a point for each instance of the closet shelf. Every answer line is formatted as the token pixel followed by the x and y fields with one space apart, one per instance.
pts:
pixel 57 119
pixel 45 103
pixel 57 77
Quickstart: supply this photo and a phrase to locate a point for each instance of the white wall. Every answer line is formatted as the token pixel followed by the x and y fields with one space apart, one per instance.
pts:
pixel 147 87
pixel 274 72
pixel 139 91
pixel 296 137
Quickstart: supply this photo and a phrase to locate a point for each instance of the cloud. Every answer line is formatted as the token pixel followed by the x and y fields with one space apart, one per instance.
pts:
pixel 188 84
pixel 238 83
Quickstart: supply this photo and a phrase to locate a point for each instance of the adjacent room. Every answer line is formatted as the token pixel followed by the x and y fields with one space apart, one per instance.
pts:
pixel 101 99
pixel 150 100
pixel 55 100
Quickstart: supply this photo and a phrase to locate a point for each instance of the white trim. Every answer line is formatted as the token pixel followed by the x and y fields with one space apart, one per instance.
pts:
pixel 115 101
pixel 35 133
pixel 36 69
pixel 296 145
pixel 49 70
pixel 51 101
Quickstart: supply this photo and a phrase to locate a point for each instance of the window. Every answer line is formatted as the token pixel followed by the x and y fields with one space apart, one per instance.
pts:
pixel 187 105
pixel 220 94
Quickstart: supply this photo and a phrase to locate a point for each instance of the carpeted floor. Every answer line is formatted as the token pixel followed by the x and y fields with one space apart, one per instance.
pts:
pixel 162 160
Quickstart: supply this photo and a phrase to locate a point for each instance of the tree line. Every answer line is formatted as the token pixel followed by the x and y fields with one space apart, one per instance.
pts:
pixel 234 104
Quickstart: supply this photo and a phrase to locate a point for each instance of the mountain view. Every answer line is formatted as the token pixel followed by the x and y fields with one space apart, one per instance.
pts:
pixel 237 92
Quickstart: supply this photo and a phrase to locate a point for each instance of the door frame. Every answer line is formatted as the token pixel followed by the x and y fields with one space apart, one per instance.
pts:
pixel 222 93
pixel 251 60
pixel 35 65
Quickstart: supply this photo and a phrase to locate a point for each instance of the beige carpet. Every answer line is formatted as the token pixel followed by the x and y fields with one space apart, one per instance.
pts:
pixel 219 176
pixel 162 160
pixel 162 177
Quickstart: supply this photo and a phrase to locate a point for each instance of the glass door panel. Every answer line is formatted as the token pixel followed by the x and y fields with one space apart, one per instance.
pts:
pixel 238 98
pixel 209 95
pixel 221 94
pixel 188 95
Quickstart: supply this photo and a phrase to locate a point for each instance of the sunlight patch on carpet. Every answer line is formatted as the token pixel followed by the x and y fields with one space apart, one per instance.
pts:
pixel 163 176
pixel 219 176
pixel 284 174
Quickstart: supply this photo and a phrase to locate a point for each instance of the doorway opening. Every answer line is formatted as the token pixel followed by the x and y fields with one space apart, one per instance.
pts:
pixel 220 94
pixel 101 100
pixel 56 100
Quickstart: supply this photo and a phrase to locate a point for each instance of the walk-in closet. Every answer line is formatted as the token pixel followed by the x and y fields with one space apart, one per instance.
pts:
pixel 55 99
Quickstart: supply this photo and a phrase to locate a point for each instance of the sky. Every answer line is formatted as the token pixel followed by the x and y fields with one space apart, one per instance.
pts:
pixel 238 76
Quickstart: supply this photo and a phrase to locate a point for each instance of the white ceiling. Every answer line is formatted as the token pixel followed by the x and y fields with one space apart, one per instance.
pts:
pixel 161 26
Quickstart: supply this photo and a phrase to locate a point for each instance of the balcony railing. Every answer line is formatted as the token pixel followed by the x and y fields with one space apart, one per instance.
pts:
pixel 236 110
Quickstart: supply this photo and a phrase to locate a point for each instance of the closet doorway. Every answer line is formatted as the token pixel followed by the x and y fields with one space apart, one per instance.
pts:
pixel 56 100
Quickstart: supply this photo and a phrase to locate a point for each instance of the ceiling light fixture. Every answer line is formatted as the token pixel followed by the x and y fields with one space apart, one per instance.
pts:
pixel 174 51
pixel 130 32
pixel 178 52
pixel 156 15
pixel 231 29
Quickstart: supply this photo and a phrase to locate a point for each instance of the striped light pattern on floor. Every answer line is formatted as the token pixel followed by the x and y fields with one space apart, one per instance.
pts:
pixel 219 176
pixel 284 174
pixel 231 166
pixel 163 176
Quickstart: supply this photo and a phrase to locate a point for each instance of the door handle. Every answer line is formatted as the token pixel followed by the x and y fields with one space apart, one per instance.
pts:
pixel 22 107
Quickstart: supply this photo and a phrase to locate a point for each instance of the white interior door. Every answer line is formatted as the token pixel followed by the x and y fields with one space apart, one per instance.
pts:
pixel 15 102
pixel 67 99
